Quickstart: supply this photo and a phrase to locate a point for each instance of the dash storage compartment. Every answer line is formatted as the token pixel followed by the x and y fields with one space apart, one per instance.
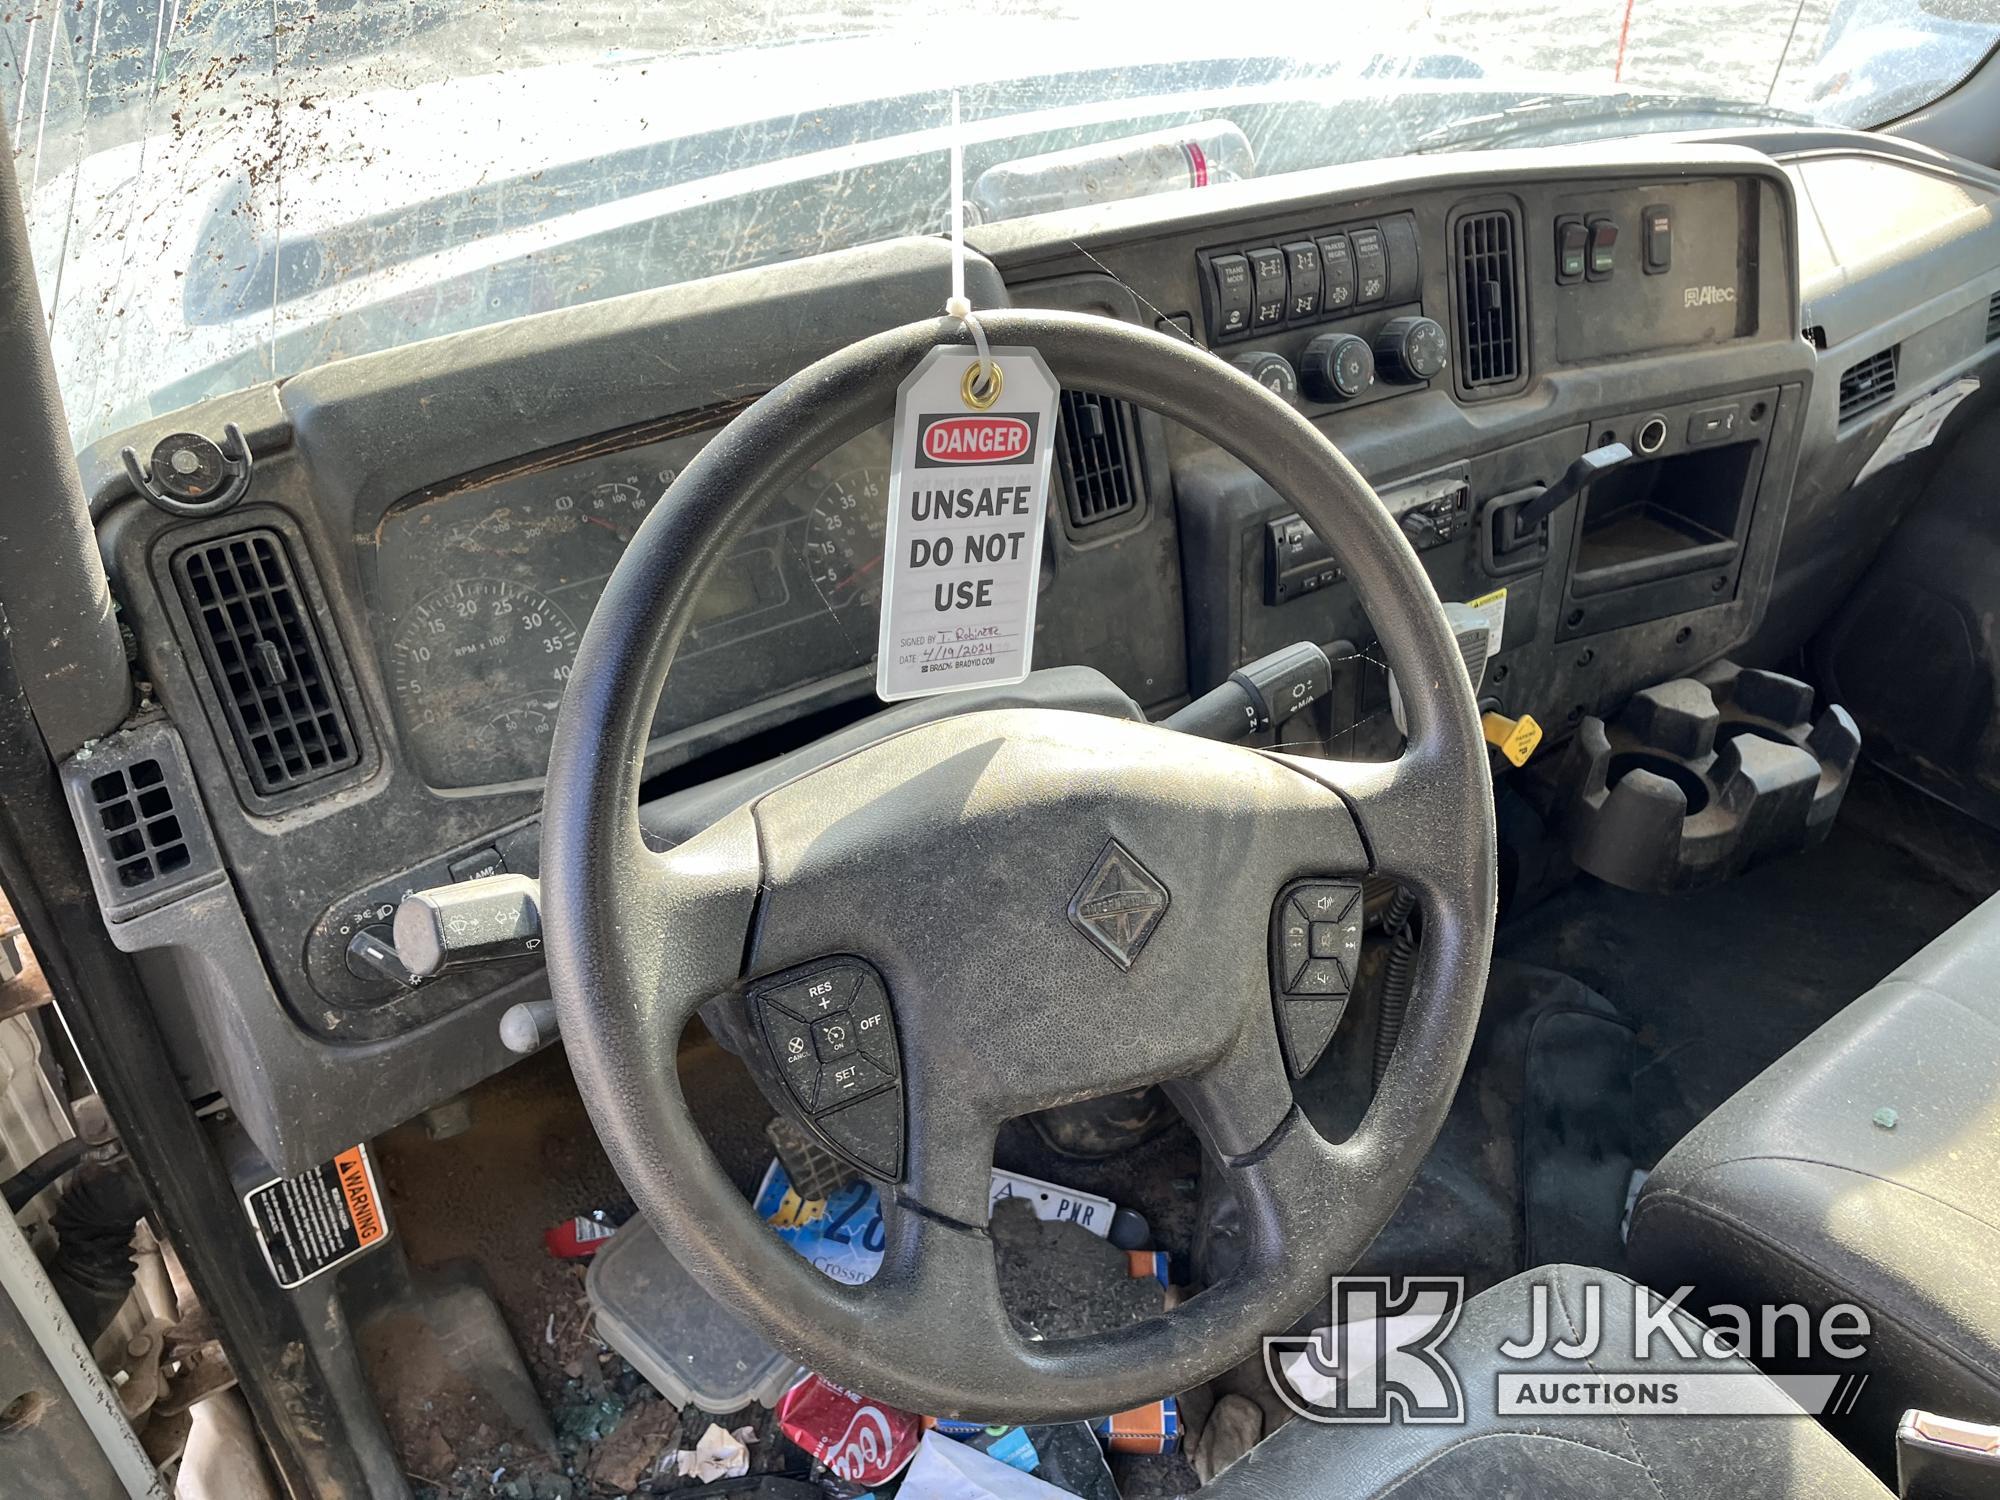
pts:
pixel 1700 777
pixel 1663 518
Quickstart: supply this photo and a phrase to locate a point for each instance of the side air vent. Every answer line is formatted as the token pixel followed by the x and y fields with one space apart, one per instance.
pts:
pixel 1098 442
pixel 1993 317
pixel 1866 385
pixel 137 816
pixel 1489 310
pixel 267 660
pixel 133 801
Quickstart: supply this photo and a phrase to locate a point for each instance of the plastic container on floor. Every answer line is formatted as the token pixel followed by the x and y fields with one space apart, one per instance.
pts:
pixel 692 1348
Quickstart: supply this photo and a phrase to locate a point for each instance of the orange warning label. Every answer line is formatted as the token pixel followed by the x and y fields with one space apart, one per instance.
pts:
pixel 312 1222
pixel 359 1191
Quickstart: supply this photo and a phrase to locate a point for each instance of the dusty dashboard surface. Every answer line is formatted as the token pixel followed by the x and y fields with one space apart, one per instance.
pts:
pixel 453 562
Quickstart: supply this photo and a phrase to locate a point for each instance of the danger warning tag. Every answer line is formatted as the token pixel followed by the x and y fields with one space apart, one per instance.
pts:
pixel 968 498
pixel 312 1222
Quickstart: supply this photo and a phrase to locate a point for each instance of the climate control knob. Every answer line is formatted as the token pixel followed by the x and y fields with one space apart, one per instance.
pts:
pixel 1270 370
pixel 1336 367
pixel 1410 349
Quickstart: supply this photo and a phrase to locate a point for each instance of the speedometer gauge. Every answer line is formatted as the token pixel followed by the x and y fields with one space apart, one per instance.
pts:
pixel 479 666
pixel 843 546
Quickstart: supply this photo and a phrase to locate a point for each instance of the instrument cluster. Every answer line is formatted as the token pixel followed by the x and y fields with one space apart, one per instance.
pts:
pixel 482 594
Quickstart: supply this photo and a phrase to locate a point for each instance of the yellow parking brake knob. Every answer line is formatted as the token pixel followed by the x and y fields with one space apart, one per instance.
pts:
pixel 1514 738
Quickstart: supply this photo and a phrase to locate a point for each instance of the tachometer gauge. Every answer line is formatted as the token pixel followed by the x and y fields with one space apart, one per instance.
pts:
pixel 843 546
pixel 478 666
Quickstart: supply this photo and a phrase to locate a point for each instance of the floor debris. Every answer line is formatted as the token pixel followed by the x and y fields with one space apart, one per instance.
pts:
pixel 717 1455
pixel 615 1435
pixel 1232 1430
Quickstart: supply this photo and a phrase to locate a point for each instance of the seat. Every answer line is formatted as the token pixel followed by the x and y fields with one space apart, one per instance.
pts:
pixel 1863 1166
pixel 1553 1457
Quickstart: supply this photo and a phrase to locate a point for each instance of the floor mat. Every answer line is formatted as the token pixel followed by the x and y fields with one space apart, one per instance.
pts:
pixel 1537 1133
pixel 1722 982
pixel 1576 1130
pixel 1958 851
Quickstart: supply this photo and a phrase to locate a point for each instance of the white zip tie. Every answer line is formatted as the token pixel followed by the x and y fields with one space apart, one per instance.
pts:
pixel 958 305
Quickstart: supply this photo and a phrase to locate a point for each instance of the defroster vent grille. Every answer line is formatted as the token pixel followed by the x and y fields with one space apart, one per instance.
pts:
pixel 267 660
pixel 134 803
pixel 139 823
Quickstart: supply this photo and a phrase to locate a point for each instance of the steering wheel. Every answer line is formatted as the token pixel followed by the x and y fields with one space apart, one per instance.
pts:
pixel 942 865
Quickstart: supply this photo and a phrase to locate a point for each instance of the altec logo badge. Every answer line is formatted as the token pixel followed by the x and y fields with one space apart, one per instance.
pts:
pixel 975 440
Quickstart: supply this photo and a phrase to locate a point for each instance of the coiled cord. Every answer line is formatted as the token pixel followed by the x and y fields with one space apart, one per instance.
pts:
pixel 1398 976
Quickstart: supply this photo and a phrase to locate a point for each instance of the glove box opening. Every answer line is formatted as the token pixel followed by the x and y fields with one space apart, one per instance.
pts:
pixel 1663 517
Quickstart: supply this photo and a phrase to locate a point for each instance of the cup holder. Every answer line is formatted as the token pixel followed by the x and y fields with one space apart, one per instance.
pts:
pixel 1758 731
pixel 1751 774
pixel 1692 786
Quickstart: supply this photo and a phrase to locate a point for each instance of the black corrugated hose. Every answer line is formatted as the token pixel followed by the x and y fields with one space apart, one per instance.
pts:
pixel 1398 975
pixel 92 1267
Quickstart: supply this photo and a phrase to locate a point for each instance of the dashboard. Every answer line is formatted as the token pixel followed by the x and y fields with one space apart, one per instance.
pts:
pixel 431 528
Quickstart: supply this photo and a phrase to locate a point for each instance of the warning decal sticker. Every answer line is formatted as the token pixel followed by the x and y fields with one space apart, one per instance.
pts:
pixel 313 1222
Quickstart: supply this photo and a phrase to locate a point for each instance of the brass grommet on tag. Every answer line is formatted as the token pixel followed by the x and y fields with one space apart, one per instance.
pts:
pixel 974 398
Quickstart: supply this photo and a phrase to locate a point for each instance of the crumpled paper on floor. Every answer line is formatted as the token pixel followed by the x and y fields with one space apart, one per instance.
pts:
pixel 716 1455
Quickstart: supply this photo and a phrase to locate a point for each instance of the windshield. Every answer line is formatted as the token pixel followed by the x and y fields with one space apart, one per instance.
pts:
pixel 221 192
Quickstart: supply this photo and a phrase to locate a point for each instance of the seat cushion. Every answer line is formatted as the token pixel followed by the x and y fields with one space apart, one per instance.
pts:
pixel 1553 1457
pixel 1864 1167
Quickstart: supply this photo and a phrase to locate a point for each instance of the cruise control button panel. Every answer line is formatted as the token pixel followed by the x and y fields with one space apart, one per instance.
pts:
pixel 791 1043
pixel 874 1031
pixel 1315 956
pixel 832 1038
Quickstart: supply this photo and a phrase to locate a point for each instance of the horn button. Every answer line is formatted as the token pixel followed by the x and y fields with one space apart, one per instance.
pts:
pixel 1058 906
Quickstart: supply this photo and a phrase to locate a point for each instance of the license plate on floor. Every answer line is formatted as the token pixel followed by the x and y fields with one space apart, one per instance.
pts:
pixel 1053 1202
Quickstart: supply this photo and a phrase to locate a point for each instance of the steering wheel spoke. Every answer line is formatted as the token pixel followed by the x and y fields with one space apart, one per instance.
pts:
pixel 1239 1102
pixel 1396 810
pixel 691 909
pixel 950 1170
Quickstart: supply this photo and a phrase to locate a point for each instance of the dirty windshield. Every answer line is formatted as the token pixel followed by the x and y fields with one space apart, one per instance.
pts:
pixel 221 192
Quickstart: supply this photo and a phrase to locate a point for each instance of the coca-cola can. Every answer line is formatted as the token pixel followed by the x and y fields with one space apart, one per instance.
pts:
pixel 862 1441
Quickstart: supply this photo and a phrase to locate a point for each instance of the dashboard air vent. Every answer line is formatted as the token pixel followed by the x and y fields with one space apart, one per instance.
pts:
pixel 1099 447
pixel 139 823
pixel 132 797
pixel 1489 313
pixel 1866 385
pixel 1993 317
pixel 267 660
